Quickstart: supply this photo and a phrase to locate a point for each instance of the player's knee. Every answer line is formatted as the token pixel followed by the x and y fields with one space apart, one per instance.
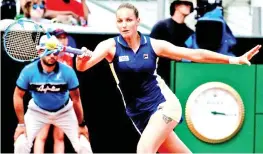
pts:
pixel 143 148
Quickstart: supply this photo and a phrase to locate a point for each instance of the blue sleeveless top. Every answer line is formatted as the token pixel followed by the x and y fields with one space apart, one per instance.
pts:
pixel 137 75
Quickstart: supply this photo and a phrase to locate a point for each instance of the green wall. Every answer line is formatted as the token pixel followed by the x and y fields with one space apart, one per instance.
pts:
pixel 259 110
pixel 247 81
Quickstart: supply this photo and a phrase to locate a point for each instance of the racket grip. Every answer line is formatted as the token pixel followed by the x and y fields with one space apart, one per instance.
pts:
pixel 73 50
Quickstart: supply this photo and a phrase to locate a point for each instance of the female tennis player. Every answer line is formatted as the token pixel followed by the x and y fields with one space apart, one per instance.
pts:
pixel 150 104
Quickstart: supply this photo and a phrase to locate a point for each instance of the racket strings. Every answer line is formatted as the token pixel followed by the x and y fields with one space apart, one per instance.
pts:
pixel 22 44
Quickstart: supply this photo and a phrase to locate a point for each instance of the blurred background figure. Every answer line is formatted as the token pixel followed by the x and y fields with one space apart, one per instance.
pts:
pixel 24 10
pixel 8 9
pixel 34 10
pixel 58 135
pixel 68 11
pixel 212 31
pixel 173 30
pixel 37 10
pixel 65 40
pixel 71 12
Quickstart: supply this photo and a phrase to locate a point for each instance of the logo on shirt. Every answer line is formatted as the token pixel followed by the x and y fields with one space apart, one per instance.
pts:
pixel 123 58
pixel 46 88
pixel 145 56
pixel 58 76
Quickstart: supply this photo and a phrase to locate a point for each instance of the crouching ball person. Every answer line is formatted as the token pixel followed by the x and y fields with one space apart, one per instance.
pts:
pixel 55 100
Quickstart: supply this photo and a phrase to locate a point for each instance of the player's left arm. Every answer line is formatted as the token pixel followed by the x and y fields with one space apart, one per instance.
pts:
pixel 166 49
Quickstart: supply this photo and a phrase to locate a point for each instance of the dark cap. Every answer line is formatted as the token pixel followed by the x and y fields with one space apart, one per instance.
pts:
pixel 177 2
pixel 58 32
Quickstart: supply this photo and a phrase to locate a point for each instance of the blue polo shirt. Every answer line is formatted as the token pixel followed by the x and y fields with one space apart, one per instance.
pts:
pixel 49 90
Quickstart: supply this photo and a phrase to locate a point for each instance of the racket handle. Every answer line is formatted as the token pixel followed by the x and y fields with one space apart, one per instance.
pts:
pixel 73 50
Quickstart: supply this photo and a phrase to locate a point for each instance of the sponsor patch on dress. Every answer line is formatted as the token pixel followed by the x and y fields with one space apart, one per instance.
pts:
pixel 145 56
pixel 123 58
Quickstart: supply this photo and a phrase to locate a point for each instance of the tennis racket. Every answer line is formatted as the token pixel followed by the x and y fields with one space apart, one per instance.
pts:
pixel 21 38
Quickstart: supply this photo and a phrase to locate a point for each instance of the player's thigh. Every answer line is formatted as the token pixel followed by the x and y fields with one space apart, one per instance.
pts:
pixel 58 134
pixel 171 107
pixel 156 131
pixel 173 144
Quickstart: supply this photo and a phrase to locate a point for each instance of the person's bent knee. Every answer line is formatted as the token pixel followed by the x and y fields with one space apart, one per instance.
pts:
pixel 41 137
pixel 58 135
pixel 21 145
pixel 85 149
pixel 85 146
pixel 59 138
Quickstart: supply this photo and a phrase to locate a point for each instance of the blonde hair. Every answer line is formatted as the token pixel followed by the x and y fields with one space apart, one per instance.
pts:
pixel 129 6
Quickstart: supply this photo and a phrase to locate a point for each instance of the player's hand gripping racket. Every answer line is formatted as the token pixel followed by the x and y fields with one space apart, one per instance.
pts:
pixel 22 37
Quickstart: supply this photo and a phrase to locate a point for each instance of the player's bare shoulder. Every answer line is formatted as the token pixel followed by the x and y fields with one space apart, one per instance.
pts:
pixel 157 45
pixel 105 46
pixel 111 45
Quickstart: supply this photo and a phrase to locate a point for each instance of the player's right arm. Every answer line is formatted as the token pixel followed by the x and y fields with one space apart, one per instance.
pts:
pixel 100 52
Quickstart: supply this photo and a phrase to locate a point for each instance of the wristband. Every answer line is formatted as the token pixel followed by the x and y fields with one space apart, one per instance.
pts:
pixel 20 125
pixel 233 60
pixel 82 124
